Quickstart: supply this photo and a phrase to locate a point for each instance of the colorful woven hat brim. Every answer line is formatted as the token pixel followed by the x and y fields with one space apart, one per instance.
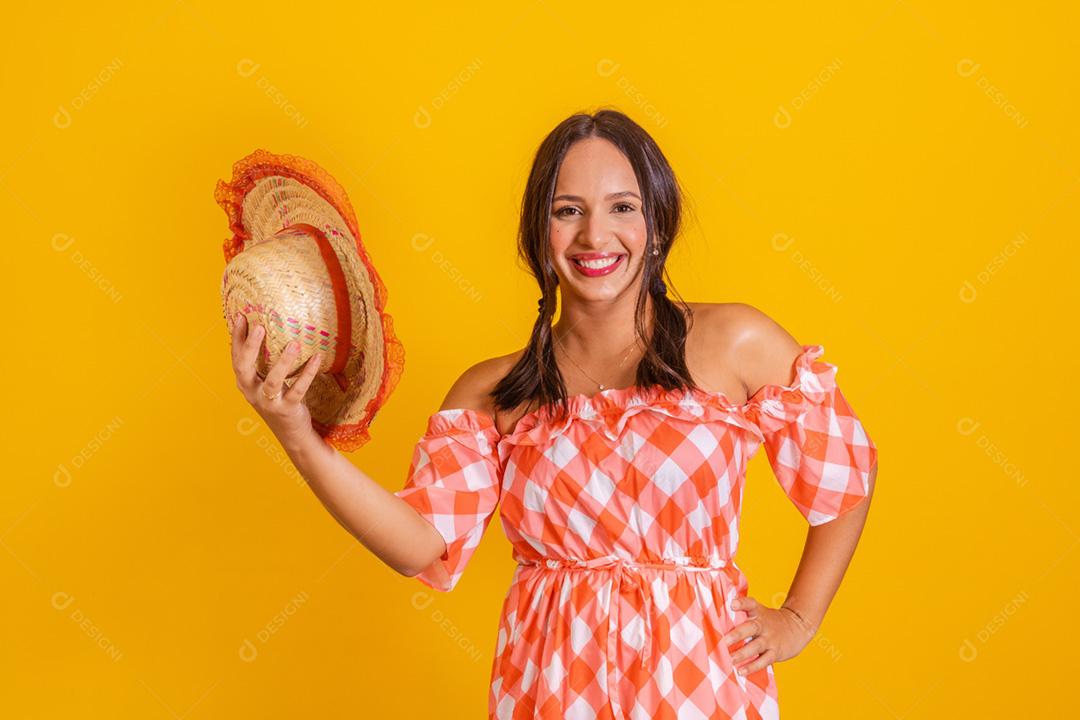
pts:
pixel 269 193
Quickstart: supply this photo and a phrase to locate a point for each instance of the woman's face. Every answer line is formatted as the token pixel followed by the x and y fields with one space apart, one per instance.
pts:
pixel 598 230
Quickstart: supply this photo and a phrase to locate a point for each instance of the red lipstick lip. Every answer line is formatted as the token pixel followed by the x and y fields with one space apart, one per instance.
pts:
pixel 597 272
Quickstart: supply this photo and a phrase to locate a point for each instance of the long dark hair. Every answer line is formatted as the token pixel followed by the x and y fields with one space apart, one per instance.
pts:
pixel 536 376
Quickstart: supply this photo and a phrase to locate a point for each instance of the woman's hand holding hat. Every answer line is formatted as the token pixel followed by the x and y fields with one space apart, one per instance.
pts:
pixel 295 265
pixel 282 408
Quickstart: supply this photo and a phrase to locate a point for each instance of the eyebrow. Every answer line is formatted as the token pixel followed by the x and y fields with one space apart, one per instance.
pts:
pixel 612 196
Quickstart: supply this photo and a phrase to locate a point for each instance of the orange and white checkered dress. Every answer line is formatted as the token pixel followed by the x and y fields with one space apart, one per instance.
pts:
pixel 624 521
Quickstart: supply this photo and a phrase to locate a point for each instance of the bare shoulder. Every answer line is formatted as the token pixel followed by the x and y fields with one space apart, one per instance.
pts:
pixel 754 347
pixel 472 390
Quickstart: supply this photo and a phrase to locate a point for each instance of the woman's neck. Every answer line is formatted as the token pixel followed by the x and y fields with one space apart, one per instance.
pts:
pixel 596 332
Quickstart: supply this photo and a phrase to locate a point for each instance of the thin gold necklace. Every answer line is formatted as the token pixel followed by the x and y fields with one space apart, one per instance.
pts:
pixel 600 385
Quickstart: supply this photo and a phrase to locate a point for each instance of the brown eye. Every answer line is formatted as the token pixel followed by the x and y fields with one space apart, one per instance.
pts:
pixel 628 206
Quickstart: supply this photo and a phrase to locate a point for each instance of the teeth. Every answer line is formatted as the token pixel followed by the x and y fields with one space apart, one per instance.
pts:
pixel 598 264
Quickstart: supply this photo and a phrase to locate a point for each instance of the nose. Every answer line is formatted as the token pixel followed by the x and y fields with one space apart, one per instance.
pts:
pixel 594 230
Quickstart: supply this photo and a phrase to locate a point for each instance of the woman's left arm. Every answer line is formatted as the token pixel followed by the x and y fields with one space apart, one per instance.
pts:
pixel 781 633
pixel 826 555
pixel 799 440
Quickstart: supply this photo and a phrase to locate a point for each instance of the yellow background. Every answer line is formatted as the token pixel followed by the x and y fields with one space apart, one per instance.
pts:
pixel 894 180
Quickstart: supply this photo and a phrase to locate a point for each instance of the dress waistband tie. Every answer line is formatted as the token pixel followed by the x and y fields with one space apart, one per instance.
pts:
pixel 628 570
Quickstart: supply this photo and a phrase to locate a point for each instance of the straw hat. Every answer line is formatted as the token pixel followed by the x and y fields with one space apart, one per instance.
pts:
pixel 295 265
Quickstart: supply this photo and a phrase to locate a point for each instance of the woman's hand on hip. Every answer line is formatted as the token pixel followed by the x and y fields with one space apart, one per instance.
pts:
pixel 778 634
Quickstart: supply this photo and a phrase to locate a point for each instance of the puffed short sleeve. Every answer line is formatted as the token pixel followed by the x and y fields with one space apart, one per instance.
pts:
pixel 819 450
pixel 454 483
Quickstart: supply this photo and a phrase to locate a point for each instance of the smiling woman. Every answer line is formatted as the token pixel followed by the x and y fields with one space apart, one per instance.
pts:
pixel 618 476
pixel 601 210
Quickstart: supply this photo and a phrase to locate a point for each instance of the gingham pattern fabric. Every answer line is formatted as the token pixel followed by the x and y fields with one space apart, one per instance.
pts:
pixel 623 519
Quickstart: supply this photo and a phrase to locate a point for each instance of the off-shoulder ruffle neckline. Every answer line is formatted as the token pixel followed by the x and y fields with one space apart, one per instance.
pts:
pixel 609 409
pixel 451 419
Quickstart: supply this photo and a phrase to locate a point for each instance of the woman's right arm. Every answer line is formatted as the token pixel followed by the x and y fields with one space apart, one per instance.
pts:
pixel 382 522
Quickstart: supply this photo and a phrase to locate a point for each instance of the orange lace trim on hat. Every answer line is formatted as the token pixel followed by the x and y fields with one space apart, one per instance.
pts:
pixel 230 196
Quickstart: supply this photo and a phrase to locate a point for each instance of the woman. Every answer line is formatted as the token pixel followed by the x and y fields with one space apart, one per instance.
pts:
pixel 615 445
